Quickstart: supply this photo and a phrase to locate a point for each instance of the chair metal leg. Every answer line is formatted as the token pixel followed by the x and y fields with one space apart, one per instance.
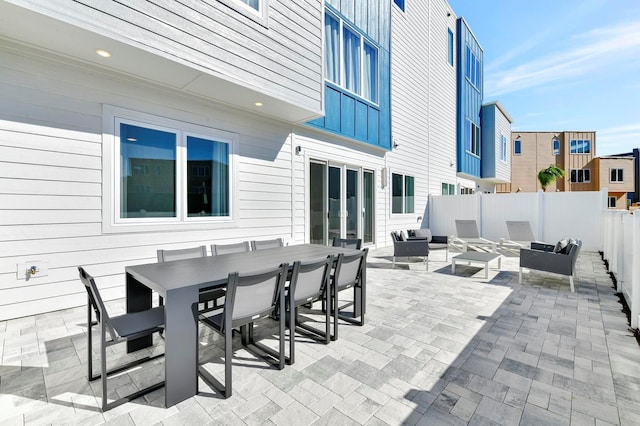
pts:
pixel 282 321
pixel 293 319
pixel 228 353
pixel 89 341
pixel 103 363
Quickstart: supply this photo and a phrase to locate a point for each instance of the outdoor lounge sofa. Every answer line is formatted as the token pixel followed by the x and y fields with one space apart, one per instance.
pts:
pixel 559 258
pixel 435 241
pixel 409 248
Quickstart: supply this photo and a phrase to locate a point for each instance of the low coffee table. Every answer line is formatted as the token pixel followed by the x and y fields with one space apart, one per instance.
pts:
pixel 476 257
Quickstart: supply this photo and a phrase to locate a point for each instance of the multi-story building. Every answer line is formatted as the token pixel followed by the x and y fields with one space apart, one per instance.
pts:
pixel 533 151
pixel 575 153
pixel 634 197
pixel 482 130
pixel 127 128
pixel 617 175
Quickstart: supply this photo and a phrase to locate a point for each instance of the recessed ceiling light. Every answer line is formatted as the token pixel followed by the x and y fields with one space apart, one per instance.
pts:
pixel 132 139
pixel 103 53
pixel 258 104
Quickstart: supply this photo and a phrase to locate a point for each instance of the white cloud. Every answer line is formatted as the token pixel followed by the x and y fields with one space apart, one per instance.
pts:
pixel 589 51
pixel 618 140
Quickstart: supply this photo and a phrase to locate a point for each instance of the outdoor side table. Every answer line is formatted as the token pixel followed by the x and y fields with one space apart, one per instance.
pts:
pixel 470 257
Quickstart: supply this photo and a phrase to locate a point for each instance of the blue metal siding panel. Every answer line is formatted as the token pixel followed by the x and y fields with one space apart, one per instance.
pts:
pixel 348 116
pixel 488 121
pixel 374 128
pixel 469 99
pixel 332 109
pixel 375 22
pixel 362 112
pixel 385 33
pixel 348 9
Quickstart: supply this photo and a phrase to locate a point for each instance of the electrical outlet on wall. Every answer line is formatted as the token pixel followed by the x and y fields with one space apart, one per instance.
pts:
pixel 32 269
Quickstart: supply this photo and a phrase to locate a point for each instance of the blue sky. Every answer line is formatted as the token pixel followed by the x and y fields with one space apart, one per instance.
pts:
pixel 563 64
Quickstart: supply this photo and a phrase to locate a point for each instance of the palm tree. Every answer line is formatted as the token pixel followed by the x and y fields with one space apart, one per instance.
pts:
pixel 548 175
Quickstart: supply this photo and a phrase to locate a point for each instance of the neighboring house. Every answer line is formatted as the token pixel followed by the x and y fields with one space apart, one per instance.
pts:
pixel 572 151
pixel 617 174
pixel 126 129
pixel 634 197
pixel 496 143
pixel 481 129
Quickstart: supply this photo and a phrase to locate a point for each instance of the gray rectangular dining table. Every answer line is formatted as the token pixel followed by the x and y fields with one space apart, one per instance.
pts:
pixel 179 283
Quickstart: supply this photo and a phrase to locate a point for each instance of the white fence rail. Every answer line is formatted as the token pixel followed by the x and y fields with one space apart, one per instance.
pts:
pixel 552 215
pixel 621 249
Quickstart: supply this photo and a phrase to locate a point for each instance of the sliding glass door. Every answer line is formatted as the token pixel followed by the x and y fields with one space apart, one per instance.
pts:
pixel 341 202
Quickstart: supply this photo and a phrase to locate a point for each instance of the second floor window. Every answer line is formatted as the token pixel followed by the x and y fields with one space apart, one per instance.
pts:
pixel 503 148
pixel 517 147
pixel 400 4
pixel 473 68
pixel 472 138
pixel 556 147
pixel 617 175
pixel 255 4
pixel 350 61
pixel 580 146
pixel 450 46
pixel 580 176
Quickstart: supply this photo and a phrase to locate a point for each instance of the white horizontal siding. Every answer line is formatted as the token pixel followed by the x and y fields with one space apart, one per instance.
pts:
pixel 51 179
pixel 423 87
pixel 283 57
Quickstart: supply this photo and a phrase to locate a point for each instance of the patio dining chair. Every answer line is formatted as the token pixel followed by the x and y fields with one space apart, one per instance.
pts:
pixel 217 249
pixel 352 243
pixel 249 298
pixel 468 235
pixel 206 296
pixel 266 244
pixel 119 329
pixel 309 283
pixel 349 273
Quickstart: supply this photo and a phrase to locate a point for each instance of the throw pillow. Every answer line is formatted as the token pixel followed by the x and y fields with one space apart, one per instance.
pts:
pixel 411 232
pixel 561 245
pixel 569 246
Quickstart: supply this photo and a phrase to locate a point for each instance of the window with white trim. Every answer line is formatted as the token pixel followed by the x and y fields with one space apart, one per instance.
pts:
pixel 503 148
pixel 450 44
pixel 580 175
pixel 402 188
pixel 253 9
pixel 448 189
pixel 351 61
pixel 612 202
pixel 166 173
pixel 473 69
pixel 616 175
pixel 472 138
pixel 580 146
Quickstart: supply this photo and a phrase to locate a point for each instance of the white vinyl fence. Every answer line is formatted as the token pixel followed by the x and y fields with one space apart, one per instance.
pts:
pixel 552 215
pixel 621 248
